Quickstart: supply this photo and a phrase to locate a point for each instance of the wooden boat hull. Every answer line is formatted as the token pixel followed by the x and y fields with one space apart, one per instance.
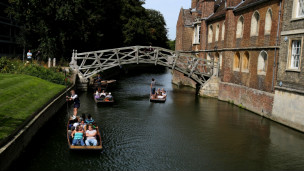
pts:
pixel 103 101
pixel 84 148
pixel 157 100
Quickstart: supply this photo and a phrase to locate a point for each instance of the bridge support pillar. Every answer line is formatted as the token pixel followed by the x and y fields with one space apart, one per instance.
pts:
pixel 210 88
pixel 82 84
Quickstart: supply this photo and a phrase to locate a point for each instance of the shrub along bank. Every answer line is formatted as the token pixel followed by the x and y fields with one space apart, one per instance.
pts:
pixel 55 74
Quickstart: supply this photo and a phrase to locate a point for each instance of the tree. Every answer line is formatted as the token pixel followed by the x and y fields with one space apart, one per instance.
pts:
pixel 157 28
pixel 55 27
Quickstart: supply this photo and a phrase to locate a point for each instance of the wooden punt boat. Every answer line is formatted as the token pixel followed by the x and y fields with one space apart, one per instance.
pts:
pixel 84 148
pixel 105 84
pixel 158 100
pixel 103 100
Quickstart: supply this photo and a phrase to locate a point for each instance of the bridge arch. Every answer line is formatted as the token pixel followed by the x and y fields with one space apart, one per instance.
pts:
pixel 90 63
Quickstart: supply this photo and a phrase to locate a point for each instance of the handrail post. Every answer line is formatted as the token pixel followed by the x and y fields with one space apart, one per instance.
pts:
pixel 156 56
pixel 136 54
pixel 177 56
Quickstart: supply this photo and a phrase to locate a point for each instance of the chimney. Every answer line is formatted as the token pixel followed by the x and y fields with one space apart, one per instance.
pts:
pixel 194 3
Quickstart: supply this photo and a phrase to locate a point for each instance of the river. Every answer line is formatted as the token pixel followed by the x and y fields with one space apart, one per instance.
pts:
pixel 185 133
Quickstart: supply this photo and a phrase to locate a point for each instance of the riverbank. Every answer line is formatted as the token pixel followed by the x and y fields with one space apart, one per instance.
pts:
pixel 21 96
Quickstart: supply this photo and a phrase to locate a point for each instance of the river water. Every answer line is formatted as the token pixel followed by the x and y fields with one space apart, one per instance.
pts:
pixel 185 133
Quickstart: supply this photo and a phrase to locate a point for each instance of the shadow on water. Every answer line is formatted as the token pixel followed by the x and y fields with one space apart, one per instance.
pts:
pixel 185 133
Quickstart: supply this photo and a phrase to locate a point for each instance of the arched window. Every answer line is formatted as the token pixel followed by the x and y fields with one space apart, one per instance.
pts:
pixel 262 63
pixel 240 27
pixel 245 62
pixel 216 60
pixel 254 31
pixel 217 32
pixel 223 31
pixel 268 21
pixel 210 34
pixel 236 61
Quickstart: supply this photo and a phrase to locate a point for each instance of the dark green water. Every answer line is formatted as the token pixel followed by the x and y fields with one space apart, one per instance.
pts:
pixel 185 133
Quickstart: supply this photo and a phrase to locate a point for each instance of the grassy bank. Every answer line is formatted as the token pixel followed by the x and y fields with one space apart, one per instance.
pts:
pixel 20 97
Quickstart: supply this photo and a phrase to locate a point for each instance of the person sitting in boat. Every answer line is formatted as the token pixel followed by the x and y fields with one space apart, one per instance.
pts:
pixel 109 97
pixel 77 136
pixel 103 94
pixel 77 123
pixel 91 136
pixel 164 93
pixel 89 120
pixel 158 91
pixel 97 95
pixel 83 125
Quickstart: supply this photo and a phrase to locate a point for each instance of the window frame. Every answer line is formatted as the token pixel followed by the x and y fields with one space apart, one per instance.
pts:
pixel 266 68
pixel 295 10
pixel 217 32
pixel 265 30
pixel 223 31
pixel 238 36
pixel 248 62
pixel 239 64
pixel 257 25
pixel 288 66
pixel 210 35
pixel 196 34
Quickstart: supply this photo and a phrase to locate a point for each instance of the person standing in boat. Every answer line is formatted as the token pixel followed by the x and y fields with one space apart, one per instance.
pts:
pixel 76 100
pixel 152 86
pixel 98 80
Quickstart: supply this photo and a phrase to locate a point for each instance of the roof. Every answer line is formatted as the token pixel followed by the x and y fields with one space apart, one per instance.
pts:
pixel 247 4
pixel 220 8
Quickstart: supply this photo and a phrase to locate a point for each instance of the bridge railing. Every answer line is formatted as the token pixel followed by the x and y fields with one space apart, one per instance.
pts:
pixel 91 63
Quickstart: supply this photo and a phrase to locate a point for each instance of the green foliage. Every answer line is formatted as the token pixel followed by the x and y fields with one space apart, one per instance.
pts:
pixel 55 27
pixel 171 44
pixel 54 75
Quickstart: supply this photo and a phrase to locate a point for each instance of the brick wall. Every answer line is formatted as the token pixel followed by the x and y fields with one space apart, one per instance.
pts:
pixel 254 100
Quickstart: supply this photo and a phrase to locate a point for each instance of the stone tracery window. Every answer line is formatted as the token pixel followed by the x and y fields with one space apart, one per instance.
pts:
pixel 223 31
pixel 240 27
pixel 217 32
pixel 268 21
pixel 254 30
pixel 210 34
pixel 245 62
pixel 236 61
pixel 262 63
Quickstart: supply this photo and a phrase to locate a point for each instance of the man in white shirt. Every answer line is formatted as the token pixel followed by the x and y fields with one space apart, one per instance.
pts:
pixel 29 56
pixel 91 136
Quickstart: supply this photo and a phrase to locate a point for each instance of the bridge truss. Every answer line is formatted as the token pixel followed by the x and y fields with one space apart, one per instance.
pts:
pixel 90 63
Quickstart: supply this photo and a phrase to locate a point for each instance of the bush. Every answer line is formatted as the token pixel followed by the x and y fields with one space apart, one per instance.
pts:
pixel 55 75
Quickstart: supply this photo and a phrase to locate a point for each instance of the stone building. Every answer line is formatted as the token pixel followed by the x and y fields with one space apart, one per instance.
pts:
pixel 8 32
pixel 241 35
pixel 289 90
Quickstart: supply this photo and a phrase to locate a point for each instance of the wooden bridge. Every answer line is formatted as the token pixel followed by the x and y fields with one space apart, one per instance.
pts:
pixel 90 63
